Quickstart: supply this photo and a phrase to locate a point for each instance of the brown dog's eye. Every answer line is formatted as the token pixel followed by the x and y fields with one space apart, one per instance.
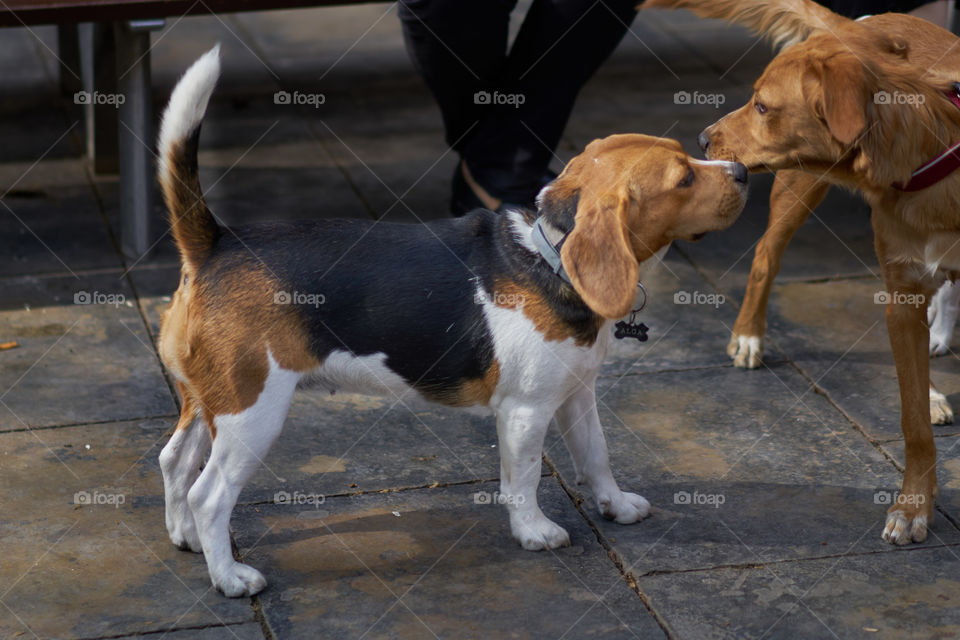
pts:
pixel 687 180
pixel 760 107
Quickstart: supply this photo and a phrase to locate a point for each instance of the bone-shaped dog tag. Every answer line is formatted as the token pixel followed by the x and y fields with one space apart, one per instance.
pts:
pixel 629 330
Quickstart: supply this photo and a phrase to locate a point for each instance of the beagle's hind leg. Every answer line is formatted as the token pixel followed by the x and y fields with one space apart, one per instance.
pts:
pixel 241 443
pixel 180 463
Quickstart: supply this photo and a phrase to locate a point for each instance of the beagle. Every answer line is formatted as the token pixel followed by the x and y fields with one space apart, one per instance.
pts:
pixel 874 106
pixel 510 312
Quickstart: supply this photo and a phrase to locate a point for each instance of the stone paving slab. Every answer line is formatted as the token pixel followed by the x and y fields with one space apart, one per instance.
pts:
pixel 106 567
pixel 77 363
pixel 910 593
pixel 433 562
pixel 739 469
pixel 836 333
pixel 36 239
pixel 248 631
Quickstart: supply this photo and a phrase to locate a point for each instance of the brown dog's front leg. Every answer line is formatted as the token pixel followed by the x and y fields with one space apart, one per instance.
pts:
pixel 912 511
pixel 794 196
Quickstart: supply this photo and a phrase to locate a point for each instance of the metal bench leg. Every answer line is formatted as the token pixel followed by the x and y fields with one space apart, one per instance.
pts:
pixel 135 133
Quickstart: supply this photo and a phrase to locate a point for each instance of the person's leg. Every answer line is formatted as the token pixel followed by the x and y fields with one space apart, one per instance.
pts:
pixel 559 47
pixel 459 48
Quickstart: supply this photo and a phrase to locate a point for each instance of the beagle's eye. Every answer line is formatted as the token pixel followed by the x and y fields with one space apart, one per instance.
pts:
pixel 760 107
pixel 687 180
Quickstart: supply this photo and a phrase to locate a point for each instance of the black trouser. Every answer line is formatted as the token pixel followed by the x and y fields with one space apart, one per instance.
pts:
pixel 505 112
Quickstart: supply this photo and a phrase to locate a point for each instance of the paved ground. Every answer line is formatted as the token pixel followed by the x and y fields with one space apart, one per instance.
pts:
pixel 788 462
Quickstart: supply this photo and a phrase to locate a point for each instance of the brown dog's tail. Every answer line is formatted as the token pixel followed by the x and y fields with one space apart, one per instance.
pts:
pixel 784 22
pixel 193 226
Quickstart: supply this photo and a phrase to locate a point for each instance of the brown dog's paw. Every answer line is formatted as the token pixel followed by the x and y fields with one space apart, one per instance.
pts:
pixel 746 351
pixel 906 524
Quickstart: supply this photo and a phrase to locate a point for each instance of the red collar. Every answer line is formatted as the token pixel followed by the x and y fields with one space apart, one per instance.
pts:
pixel 941 166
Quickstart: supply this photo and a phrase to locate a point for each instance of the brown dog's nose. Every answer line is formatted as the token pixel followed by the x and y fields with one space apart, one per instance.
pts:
pixel 740 173
pixel 704 141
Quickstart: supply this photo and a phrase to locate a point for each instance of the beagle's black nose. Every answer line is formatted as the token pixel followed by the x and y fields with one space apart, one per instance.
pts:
pixel 704 141
pixel 740 173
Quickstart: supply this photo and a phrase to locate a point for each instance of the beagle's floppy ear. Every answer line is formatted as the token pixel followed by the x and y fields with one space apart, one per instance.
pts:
pixel 598 257
pixel 843 96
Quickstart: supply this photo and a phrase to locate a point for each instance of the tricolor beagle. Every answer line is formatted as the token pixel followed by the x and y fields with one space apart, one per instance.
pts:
pixel 464 312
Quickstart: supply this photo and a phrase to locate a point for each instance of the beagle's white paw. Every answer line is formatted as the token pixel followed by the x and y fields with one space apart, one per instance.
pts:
pixel 939 340
pixel 183 534
pixel 940 410
pixel 239 580
pixel 534 531
pixel 624 508
pixel 746 351
pixel 942 317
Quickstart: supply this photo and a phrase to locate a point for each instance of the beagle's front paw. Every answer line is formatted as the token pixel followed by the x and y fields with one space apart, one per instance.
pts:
pixel 624 508
pixel 535 531
pixel 746 351
pixel 940 410
pixel 239 580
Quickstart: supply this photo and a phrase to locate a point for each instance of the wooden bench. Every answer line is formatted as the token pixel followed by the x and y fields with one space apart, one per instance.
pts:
pixel 127 25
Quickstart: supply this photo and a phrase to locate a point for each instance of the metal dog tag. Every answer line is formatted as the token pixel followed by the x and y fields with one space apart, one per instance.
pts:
pixel 630 330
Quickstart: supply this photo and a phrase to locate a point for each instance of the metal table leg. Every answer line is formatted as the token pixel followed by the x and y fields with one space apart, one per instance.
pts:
pixel 135 134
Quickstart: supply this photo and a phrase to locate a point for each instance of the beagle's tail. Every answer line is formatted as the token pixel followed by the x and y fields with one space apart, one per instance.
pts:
pixel 194 228
pixel 784 22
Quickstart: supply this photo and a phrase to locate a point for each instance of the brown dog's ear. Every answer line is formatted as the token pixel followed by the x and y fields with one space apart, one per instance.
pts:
pixel 845 97
pixel 598 257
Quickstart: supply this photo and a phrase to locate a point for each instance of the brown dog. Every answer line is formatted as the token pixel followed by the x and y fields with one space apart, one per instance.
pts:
pixel 796 194
pixel 862 104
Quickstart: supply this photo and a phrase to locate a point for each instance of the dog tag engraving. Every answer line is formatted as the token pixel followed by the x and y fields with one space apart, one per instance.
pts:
pixel 629 330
